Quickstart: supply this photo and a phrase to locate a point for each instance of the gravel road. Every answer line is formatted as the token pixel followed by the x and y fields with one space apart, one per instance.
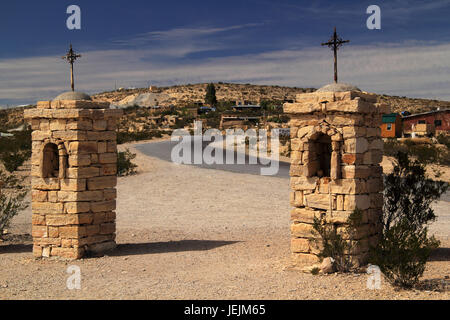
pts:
pixel 186 232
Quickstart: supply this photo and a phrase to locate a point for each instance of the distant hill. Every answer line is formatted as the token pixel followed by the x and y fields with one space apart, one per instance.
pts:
pixel 195 93
pixel 181 95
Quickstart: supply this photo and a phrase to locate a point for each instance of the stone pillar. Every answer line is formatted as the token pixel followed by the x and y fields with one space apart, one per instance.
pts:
pixel 336 152
pixel 74 175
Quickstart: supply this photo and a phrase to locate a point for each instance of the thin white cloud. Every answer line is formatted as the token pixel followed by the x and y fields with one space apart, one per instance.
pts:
pixel 413 70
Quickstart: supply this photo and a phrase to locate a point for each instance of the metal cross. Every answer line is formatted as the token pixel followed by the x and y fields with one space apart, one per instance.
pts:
pixel 71 56
pixel 335 43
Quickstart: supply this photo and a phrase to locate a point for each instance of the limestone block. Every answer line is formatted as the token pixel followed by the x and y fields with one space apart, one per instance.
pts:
pixel 302 132
pixel 83 172
pixel 354 132
pixel 304 183
pixel 77 207
pixel 356 145
pixel 103 206
pixel 348 186
pixel 360 201
pixel 377 144
pixel 302 107
pixel 354 106
pixel 107 228
pixel 340 202
pixel 44 125
pixel 39 196
pixel 373 157
pixel 82 124
pixel 373 132
pixel 79 160
pixel 47 208
pixel 83 147
pixel 374 185
pixel 352 172
pixel 69 135
pixel 303 259
pixel 110 194
pixel 300 230
pixel 58 125
pixel 38 220
pixel 45 184
pixel 102 147
pixel 39 231
pixel 73 184
pixel 100 125
pixel 40 135
pixel 108 169
pixel 318 201
pixel 296 198
pixel 301 245
pixel 345 120
pixel 70 196
pixel 305 215
pixel 72 232
pixel 111 147
pixel 101 135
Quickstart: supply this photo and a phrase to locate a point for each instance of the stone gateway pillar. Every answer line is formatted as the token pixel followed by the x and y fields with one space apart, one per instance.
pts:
pixel 336 152
pixel 74 175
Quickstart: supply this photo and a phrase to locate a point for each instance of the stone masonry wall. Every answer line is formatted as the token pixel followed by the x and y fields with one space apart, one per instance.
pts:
pixel 73 191
pixel 352 121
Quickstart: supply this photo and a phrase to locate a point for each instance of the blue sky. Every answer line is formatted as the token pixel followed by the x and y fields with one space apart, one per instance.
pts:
pixel 136 43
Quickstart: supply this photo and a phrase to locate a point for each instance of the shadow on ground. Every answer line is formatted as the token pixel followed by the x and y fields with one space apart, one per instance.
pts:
pixel 16 243
pixel 440 254
pixel 165 247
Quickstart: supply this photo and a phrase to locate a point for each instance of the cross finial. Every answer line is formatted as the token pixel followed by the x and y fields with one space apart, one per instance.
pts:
pixel 71 57
pixel 335 43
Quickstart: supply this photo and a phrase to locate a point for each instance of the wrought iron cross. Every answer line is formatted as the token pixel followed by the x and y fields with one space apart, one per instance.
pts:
pixel 71 56
pixel 335 43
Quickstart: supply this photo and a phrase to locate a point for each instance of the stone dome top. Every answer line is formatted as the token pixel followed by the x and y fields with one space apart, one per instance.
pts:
pixel 73 95
pixel 338 87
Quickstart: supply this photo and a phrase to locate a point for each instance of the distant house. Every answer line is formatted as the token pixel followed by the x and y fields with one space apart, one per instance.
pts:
pixel 427 123
pixel 391 126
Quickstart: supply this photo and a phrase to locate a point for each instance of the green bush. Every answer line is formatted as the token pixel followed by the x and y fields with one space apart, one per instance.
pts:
pixel 404 247
pixel 14 151
pixel 125 166
pixel 12 194
pixel 332 242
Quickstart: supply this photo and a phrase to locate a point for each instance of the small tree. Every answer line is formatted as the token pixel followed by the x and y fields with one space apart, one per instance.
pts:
pixel 210 97
pixel 12 194
pixel 125 166
pixel 405 247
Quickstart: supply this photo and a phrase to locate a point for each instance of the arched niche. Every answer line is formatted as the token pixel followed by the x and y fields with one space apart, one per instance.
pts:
pixel 324 144
pixel 53 160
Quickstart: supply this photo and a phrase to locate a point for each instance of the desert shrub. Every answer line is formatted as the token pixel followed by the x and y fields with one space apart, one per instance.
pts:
pixel 404 247
pixel 333 244
pixel 14 151
pixel 424 153
pixel 125 166
pixel 444 139
pixel 12 194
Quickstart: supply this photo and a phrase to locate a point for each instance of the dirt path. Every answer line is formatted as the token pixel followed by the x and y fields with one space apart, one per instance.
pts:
pixel 191 233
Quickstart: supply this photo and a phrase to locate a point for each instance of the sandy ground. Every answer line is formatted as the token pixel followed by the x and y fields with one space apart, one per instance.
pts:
pixel 191 233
